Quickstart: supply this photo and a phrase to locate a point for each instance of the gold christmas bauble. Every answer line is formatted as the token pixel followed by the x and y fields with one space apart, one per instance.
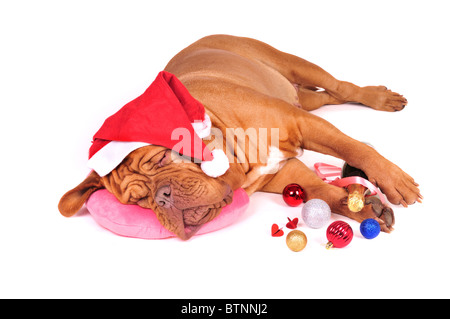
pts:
pixel 296 240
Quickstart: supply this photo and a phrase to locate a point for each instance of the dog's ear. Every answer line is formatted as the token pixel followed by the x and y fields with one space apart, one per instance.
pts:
pixel 73 200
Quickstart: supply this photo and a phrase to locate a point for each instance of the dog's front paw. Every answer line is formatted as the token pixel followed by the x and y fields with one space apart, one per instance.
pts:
pixel 374 209
pixel 399 187
pixel 383 214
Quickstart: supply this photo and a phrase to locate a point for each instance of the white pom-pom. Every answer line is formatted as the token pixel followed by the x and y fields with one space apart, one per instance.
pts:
pixel 218 166
pixel 203 129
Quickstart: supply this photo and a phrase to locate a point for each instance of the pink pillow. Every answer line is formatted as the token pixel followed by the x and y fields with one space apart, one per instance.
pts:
pixel 135 221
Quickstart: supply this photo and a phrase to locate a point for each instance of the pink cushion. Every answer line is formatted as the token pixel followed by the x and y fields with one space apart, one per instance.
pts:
pixel 135 221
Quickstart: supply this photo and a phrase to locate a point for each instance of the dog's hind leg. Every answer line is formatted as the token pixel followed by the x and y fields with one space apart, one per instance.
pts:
pixel 311 100
pixel 306 74
pixel 298 70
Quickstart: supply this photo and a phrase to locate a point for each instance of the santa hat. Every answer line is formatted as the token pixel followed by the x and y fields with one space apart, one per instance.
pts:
pixel 166 115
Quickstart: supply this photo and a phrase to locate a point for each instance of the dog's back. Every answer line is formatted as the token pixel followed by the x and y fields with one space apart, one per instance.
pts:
pixel 238 62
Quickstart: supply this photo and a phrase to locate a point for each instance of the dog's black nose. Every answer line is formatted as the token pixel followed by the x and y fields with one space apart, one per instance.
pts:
pixel 163 196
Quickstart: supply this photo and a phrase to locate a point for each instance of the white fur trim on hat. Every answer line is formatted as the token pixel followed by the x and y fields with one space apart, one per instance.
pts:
pixel 218 166
pixel 111 155
pixel 203 129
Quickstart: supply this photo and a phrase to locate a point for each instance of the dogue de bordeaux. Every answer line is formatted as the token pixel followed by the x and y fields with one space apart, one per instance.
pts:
pixel 244 83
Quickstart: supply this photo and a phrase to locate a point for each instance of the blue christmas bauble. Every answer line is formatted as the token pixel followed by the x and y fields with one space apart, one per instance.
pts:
pixel 370 228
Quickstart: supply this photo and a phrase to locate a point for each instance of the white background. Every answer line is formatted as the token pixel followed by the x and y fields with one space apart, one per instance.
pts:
pixel 67 65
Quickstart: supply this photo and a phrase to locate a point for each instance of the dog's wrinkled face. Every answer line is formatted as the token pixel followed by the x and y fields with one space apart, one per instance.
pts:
pixel 181 195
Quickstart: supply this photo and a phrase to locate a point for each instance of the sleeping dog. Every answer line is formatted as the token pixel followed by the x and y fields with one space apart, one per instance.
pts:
pixel 246 84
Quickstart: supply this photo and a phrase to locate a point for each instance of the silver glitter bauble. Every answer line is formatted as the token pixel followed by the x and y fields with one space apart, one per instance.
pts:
pixel 316 213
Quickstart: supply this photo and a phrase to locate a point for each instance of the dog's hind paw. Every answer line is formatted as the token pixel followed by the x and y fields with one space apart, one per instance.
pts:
pixel 382 99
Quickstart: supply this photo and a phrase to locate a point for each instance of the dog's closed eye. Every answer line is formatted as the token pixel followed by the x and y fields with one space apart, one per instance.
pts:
pixel 169 157
pixel 166 158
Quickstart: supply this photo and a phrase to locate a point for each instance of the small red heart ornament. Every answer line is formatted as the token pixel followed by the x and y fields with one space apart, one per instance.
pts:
pixel 276 231
pixel 292 224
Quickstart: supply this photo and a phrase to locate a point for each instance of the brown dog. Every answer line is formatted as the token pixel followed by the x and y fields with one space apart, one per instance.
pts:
pixel 248 85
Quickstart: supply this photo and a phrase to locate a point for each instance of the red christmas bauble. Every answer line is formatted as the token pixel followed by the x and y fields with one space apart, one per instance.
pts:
pixel 339 234
pixel 293 195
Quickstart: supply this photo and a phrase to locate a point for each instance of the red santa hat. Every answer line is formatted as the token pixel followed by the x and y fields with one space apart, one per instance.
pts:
pixel 166 115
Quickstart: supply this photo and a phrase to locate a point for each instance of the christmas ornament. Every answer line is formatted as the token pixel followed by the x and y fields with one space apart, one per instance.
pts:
pixel 296 240
pixel 292 223
pixel 316 213
pixel 293 195
pixel 276 231
pixel 339 234
pixel 331 174
pixel 370 228
pixel 356 192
